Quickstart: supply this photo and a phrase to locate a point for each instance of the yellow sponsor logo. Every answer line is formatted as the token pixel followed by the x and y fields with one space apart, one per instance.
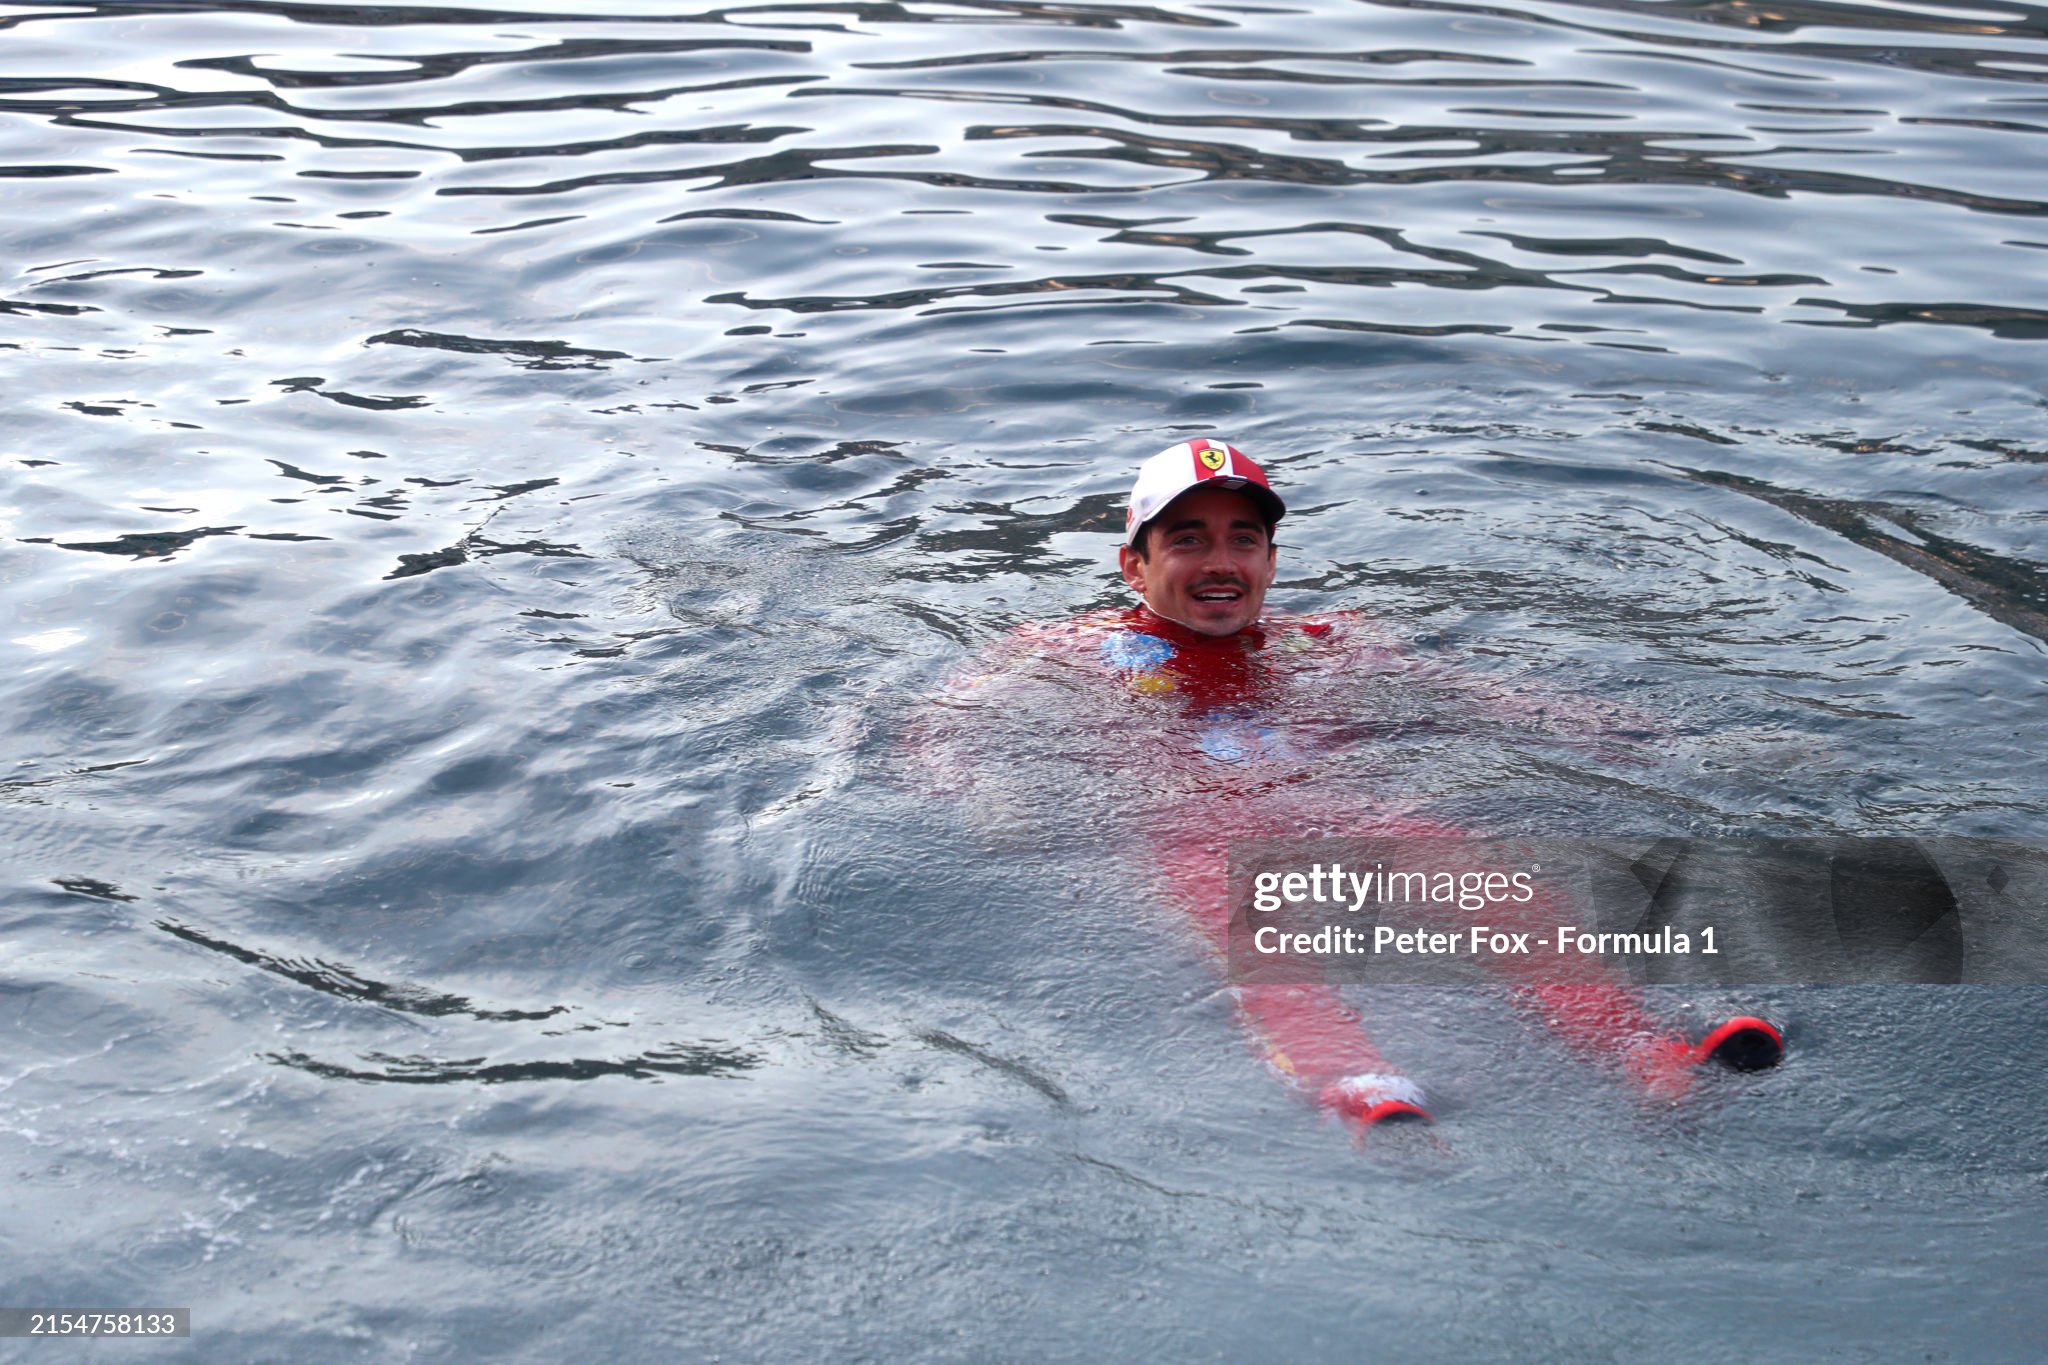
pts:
pixel 1212 457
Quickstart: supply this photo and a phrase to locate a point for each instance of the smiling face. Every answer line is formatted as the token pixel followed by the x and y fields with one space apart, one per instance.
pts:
pixel 1211 559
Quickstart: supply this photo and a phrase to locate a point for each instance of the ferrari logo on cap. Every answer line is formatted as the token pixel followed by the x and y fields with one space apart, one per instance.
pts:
pixel 1212 457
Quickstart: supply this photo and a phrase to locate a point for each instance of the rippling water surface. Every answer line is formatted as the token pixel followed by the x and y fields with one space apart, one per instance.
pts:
pixel 489 489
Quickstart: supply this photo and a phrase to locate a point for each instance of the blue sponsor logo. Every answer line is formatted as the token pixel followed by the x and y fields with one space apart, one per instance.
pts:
pixel 1130 651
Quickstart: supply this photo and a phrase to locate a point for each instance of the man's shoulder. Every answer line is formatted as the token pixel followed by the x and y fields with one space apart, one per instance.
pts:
pixel 1100 629
pixel 1294 626
pixel 1092 625
pixel 1347 628
pixel 1135 640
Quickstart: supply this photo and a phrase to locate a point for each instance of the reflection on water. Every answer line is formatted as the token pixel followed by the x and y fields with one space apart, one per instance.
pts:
pixel 494 490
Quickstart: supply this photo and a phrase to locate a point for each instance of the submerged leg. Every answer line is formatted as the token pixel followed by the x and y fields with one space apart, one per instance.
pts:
pixel 1612 1021
pixel 1309 1036
pixel 1304 1032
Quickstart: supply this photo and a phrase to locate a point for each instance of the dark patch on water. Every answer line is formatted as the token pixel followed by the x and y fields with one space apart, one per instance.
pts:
pixel 537 354
pixel 653 1065
pixel 2010 591
pixel 345 983
pixel 1002 1066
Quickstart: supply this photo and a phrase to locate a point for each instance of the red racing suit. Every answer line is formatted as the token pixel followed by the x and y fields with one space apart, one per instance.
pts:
pixel 1202 740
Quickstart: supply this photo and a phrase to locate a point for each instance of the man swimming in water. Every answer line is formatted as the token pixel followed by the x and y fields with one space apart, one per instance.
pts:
pixel 1246 715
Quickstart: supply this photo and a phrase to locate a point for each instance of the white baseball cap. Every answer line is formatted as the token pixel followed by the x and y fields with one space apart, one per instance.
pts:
pixel 1179 468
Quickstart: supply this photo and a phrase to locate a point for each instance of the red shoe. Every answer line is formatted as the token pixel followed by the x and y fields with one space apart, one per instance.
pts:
pixel 1744 1043
pixel 1367 1099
